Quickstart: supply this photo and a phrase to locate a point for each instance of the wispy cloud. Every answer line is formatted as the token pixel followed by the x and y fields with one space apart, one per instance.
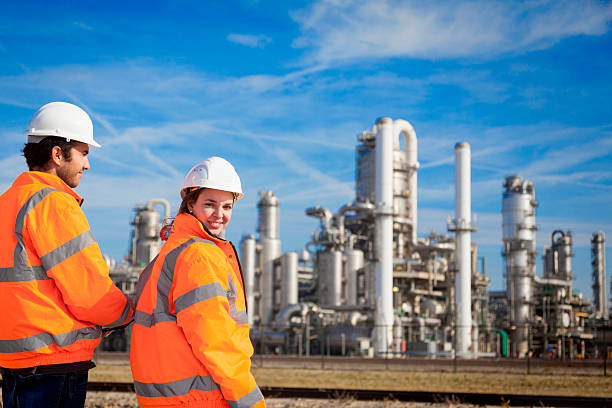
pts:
pixel 559 159
pixel 250 40
pixel 339 32
pixel 82 25
pixel 323 180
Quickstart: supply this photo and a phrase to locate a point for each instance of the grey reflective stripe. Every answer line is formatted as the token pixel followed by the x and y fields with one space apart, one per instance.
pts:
pixel 174 388
pixel 41 340
pixel 20 274
pixel 164 283
pixel 122 318
pixel 232 294
pixel 20 271
pixel 199 294
pixel 67 249
pixel 166 276
pixel 248 400
pixel 149 320
pixel 239 317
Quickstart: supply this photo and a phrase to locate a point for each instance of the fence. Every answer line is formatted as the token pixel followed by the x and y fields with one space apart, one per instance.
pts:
pixel 350 347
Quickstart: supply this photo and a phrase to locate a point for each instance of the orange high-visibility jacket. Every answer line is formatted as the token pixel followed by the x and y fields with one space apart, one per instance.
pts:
pixel 190 340
pixel 55 291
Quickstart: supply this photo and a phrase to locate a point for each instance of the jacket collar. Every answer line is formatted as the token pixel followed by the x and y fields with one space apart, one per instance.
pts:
pixel 39 177
pixel 188 224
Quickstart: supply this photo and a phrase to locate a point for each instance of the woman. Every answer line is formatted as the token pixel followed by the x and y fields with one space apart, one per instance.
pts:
pixel 190 341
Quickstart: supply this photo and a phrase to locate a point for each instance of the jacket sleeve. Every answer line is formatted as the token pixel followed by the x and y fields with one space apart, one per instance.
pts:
pixel 71 257
pixel 204 314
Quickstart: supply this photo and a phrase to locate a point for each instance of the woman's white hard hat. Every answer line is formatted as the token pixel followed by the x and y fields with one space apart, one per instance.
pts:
pixel 214 172
pixel 61 119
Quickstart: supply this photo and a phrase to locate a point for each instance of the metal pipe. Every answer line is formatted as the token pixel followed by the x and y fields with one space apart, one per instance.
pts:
pixel 356 207
pixel 552 282
pixel 384 237
pixel 161 201
pixel 404 128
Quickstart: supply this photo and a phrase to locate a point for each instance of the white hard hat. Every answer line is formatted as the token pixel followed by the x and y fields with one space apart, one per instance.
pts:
pixel 61 119
pixel 214 172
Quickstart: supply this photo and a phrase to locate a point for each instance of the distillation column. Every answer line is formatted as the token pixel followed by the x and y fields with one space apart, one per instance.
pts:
pixel 598 261
pixel 463 245
pixel 383 319
pixel 519 230
pixel 270 243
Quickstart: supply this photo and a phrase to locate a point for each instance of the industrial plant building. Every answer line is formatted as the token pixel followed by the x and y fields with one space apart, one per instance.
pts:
pixel 366 284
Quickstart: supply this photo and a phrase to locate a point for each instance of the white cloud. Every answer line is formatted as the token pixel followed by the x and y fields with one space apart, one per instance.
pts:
pixel 249 40
pixel 339 32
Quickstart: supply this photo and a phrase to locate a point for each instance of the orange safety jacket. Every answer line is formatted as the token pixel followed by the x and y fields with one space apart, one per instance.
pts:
pixel 55 290
pixel 190 341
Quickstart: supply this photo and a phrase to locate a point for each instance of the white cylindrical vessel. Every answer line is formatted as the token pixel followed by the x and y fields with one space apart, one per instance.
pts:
pixel 329 265
pixel 270 250
pixel 289 293
pixel 383 319
pixel 354 262
pixel 463 245
pixel 247 261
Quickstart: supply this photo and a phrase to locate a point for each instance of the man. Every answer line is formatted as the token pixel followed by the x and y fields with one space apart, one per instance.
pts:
pixel 55 291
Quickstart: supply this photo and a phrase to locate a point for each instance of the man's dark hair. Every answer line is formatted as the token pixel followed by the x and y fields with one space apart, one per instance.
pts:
pixel 37 155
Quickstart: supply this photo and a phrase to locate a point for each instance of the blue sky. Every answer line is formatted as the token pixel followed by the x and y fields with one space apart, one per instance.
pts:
pixel 281 89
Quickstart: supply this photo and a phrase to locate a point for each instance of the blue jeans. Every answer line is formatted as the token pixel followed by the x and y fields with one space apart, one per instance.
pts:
pixel 44 390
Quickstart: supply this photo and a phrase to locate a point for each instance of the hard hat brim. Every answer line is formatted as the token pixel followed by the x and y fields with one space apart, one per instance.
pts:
pixel 37 135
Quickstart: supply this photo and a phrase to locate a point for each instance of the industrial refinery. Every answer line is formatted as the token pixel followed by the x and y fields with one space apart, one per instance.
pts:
pixel 365 284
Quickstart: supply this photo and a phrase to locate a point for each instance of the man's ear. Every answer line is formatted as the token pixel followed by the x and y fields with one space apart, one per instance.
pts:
pixel 57 157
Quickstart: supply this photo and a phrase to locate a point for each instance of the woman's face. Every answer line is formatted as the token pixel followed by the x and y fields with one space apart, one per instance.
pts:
pixel 214 209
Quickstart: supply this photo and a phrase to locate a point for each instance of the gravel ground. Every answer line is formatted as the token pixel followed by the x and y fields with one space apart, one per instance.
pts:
pixel 126 400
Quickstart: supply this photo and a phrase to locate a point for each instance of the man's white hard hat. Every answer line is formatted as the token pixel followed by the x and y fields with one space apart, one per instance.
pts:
pixel 214 172
pixel 61 119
